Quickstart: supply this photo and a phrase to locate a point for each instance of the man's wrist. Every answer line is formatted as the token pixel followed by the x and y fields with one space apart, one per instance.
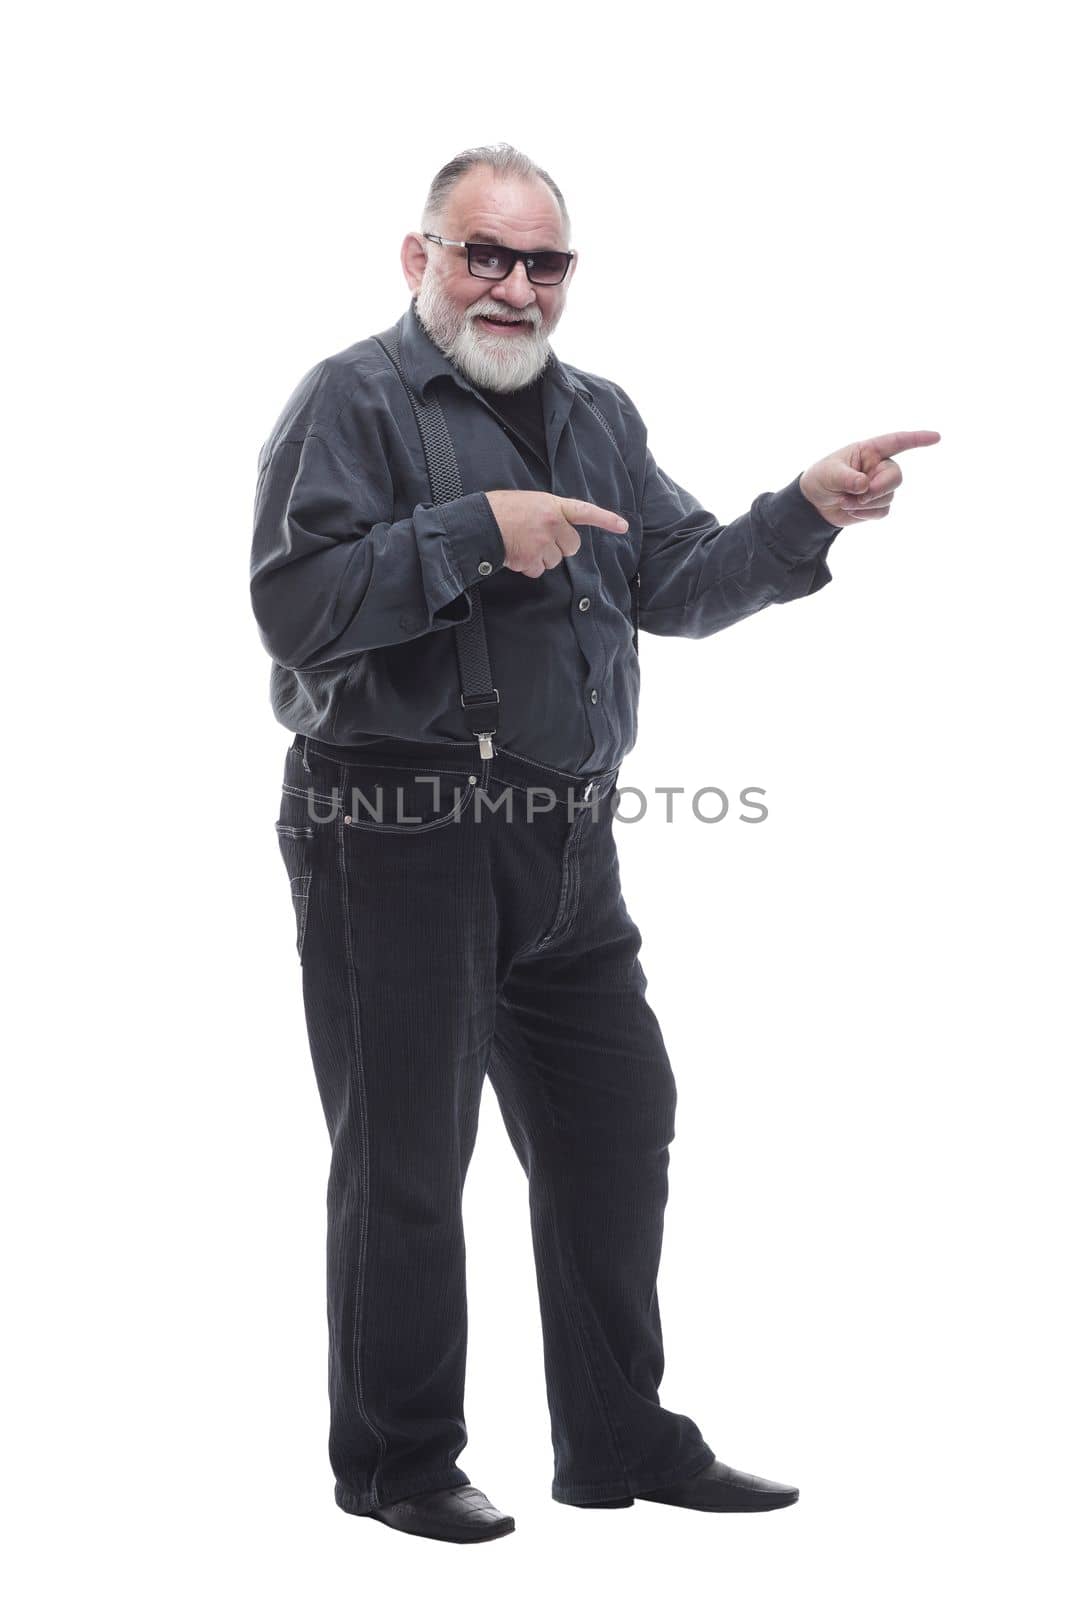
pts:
pixel 474 537
pixel 814 503
pixel 794 525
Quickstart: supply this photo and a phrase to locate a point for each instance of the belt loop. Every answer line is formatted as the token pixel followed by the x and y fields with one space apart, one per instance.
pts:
pixel 305 754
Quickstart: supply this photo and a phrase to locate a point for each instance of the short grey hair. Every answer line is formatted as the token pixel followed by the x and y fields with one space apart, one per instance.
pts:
pixel 502 158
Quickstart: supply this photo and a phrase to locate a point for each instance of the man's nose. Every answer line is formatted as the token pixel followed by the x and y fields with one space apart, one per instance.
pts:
pixel 516 289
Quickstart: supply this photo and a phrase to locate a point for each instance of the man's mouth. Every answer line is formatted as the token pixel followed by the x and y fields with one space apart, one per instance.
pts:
pixel 502 324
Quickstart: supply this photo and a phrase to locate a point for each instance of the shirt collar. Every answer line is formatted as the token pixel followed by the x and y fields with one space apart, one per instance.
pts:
pixel 423 360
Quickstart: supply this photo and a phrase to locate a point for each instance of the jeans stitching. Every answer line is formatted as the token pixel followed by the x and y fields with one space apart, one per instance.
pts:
pixel 399 766
pixel 334 798
pixel 361 1097
pixel 417 827
pixel 572 777
pixel 509 783
pixel 301 911
pixel 301 794
pixel 575 898
pixel 528 761
pixel 567 909
pixel 561 905
pixel 296 852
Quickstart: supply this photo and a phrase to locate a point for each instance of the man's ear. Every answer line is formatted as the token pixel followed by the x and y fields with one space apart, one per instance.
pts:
pixel 574 268
pixel 413 259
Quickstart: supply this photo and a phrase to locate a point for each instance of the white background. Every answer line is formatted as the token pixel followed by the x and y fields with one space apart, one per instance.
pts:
pixel 798 227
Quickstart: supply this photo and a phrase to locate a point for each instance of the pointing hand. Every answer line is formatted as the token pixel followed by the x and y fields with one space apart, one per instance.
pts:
pixel 856 484
pixel 540 529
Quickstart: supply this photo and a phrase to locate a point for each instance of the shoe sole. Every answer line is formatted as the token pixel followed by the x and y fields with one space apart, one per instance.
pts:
pixel 496 1531
pixel 777 1503
pixel 612 1505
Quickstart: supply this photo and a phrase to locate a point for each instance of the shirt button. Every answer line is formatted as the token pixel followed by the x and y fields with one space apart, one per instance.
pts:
pixel 485 568
pixel 594 697
pixel 583 604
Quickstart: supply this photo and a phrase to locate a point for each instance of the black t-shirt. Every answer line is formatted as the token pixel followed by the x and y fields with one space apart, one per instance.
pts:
pixel 523 412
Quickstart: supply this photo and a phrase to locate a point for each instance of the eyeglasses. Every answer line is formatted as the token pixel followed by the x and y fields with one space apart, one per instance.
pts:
pixel 498 260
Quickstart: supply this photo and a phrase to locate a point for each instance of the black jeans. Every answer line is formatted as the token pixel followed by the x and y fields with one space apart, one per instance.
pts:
pixel 488 937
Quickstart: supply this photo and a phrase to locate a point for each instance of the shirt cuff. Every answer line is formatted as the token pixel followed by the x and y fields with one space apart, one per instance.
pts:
pixel 473 536
pixel 793 526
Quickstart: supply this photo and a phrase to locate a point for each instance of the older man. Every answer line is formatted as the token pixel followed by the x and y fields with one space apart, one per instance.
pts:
pixel 457 538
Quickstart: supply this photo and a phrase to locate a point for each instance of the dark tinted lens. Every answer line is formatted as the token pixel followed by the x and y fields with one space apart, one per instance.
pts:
pixel 490 261
pixel 494 261
pixel 549 266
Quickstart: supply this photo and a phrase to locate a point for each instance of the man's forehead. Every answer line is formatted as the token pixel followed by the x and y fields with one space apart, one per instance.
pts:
pixel 525 242
pixel 521 215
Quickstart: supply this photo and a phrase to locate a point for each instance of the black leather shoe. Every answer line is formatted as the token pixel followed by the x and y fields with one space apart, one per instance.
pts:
pixel 721 1488
pixel 462 1516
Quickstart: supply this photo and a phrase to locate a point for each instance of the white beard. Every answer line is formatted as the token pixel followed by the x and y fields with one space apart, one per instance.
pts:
pixel 503 362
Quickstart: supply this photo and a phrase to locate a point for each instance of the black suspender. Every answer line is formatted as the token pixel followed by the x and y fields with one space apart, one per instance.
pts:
pixel 479 700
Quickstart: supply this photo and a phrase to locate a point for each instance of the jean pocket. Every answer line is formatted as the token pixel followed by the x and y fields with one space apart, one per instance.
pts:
pixel 405 800
pixel 295 840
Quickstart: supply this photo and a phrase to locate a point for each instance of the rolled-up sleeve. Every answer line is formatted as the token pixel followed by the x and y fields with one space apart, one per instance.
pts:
pixel 699 575
pixel 332 573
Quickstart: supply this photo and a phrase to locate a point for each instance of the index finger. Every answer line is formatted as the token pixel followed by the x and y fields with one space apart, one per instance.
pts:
pixel 583 511
pixel 889 444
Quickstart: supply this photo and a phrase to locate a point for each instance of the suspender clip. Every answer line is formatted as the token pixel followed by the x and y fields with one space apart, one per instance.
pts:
pixel 481 720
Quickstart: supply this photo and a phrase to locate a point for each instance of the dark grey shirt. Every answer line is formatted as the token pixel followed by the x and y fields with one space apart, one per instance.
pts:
pixel 358 580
